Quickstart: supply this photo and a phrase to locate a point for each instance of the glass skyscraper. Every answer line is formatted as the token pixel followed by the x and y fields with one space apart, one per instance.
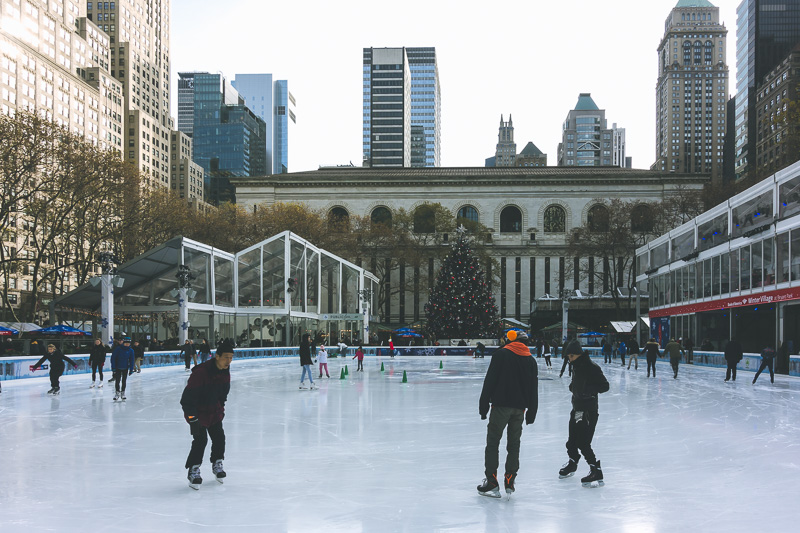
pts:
pixel 272 101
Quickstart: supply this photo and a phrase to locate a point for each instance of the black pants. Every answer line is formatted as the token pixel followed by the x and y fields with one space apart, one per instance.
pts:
pixel 622 356
pixel 187 359
pixel 674 363
pixel 766 363
pixel 547 360
pixel 200 435
pixel 565 365
pixel 120 376
pixel 730 371
pixel 97 366
pixel 55 375
pixel 581 432
pixel 499 418
pixel 606 357
pixel 360 365
pixel 651 363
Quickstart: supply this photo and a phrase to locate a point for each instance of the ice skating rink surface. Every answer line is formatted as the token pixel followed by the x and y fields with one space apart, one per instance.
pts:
pixel 370 453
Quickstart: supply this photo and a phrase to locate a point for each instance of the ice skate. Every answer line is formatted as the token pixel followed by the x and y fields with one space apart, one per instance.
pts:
pixel 51 390
pixel 100 384
pixel 92 385
pixel 508 481
pixel 56 391
pixel 116 396
pixel 219 472
pixel 303 386
pixel 568 469
pixel 313 386
pixel 595 477
pixel 194 477
pixel 490 487
pixel 122 396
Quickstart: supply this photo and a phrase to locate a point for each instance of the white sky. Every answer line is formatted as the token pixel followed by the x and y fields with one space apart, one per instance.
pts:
pixel 527 58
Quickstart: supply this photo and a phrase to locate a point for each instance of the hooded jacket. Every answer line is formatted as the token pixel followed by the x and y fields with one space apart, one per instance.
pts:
pixel 511 381
pixel 206 393
pixel 588 381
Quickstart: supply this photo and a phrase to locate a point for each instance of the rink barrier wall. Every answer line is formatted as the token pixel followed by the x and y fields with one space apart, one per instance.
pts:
pixel 19 367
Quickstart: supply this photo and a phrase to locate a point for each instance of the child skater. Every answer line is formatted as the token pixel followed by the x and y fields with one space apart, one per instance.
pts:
pixel 360 355
pixel 322 357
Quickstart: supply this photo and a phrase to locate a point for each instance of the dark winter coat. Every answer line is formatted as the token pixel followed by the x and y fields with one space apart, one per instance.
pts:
pixel 587 382
pixel 305 354
pixel 674 350
pixel 187 350
pixel 206 393
pixel 138 351
pixel 204 349
pixel 98 354
pixel 511 381
pixel 651 350
pixel 122 358
pixel 633 346
pixel 56 360
pixel 733 352
pixel 767 354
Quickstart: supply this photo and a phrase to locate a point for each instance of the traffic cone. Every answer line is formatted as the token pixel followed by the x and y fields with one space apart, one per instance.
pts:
pixel 405 378
pixel 346 372
pixel 342 375
pixel 441 366
pixel 381 367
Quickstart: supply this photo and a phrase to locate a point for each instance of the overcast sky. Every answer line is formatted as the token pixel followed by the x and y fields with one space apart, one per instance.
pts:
pixel 527 58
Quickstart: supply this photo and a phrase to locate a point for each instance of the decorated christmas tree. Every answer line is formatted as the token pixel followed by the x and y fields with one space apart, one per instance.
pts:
pixel 461 304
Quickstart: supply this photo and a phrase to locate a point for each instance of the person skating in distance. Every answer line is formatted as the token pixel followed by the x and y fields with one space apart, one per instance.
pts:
pixel 56 359
pixel 587 382
pixel 203 403
pixel 511 386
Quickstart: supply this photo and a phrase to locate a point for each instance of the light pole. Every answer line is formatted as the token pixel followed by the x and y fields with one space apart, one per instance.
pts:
pixel 184 292
pixel 366 297
pixel 564 315
pixel 107 281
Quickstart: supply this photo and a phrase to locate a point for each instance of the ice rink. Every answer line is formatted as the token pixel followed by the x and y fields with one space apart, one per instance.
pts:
pixel 370 453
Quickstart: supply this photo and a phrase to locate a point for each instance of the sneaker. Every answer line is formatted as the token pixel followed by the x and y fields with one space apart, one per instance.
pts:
pixel 508 481
pixel 194 477
pixel 490 487
pixel 219 472
pixel 568 469
pixel 595 477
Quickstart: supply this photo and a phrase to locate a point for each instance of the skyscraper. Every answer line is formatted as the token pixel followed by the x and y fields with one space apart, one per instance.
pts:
pixel 766 31
pixel 272 101
pixel 586 141
pixel 140 56
pixel 506 151
pixel 401 92
pixel 228 139
pixel 692 91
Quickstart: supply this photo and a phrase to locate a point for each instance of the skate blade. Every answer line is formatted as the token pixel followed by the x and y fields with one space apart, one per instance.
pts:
pixel 490 494
pixel 593 484
pixel 220 480
pixel 565 477
pixel 195 486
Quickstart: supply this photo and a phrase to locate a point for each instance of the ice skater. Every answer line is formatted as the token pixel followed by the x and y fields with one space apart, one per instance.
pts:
pixel 547 353
pixel 322 357
pixel 511 387
pixel 360 355
pixel 622 349
pixel 587 382
pixel 565 365
pixel 733 354
pixel 651 353
pixel 56 359
pixel 633 354
pixel 607 351
pixel 767 360
pixel 203 403
pixel 305 361
pixel 391 347
pixel 138 356
pixel 188 352
pixel 675 351
pixel 97 358
pixel 122 361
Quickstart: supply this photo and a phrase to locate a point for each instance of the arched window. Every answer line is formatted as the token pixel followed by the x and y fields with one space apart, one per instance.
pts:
pixel 338 219
pixel 511 220
pixel 467 213
pixel 382 215
pixel 424 219
pixel 641 219
pixel 598 219
pixel 555 219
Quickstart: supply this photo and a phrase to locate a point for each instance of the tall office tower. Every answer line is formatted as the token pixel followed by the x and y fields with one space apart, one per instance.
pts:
pixel 586 141
pixel 55 61
pixel 692 91
pixel 766 31
pixel 272 101
pixel 401 92
pixel 186 176
pixel 140 55
pixel 186 102
pixel 506 151
pixel 426 102
pixel 228 139
pixel 618 158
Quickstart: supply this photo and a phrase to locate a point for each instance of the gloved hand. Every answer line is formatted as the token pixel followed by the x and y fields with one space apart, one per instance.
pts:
pixel 192 419
pixel 75 367
pixel 483 416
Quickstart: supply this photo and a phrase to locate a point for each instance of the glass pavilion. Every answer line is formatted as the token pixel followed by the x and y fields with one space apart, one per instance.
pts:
pixel 266 295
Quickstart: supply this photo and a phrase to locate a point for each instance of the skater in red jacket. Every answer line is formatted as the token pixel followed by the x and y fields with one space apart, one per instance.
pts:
pixel 360 355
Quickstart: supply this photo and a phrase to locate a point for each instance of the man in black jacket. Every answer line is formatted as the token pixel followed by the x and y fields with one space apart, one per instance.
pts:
pixel 587 382
pixel 203 403
pixel 511 386
pixel 733 354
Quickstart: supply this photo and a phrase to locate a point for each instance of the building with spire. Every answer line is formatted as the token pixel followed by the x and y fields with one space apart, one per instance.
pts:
pixel 692 91
pixel 586 140
pixel 506 150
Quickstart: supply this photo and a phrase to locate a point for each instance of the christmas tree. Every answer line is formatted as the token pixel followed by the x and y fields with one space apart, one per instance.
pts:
pixel 461 304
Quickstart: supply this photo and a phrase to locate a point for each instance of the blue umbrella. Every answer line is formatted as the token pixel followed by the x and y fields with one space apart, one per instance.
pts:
pixel 8 331
pixel 61 330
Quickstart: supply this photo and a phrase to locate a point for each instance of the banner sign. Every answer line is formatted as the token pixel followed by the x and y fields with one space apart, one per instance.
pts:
pixel 764 298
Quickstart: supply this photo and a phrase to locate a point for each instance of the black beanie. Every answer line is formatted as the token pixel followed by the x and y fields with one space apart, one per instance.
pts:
pixel 225 346
pixel 574 348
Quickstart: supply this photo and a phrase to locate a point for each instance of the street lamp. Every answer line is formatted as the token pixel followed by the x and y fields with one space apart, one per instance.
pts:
pixel 366 297
pixel 184 292
pixel 107 280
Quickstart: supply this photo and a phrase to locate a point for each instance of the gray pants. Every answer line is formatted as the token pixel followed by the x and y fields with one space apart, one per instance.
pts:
pixel 499 418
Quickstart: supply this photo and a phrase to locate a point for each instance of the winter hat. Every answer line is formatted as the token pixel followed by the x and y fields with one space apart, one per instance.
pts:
pixel 519 336
pixel 573 348
pixel 225 346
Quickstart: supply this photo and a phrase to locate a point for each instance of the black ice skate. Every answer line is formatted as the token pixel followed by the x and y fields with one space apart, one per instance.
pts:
pixel 508 481
pixel 595 477
pixel 219 472
pixel 194 477
pixel 56 391
pixel 490 487
pixel 116 396
pixel 51 390
pixel 568 469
